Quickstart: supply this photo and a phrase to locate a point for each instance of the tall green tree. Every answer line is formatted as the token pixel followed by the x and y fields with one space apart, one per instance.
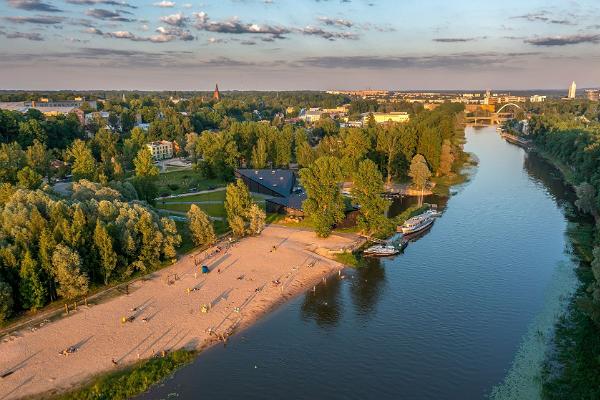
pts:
pixel 201 227
pixel 27 178
pixel 259 154
pixel 144 164
pixel 104 248
pixel 72 283
pixel 367 189
pixel 84 164
pixel 446 158
pixel 31 287
pixel 6 301
pixel 37 158
pixel 324 204
pixel 419 172
pixel 389 141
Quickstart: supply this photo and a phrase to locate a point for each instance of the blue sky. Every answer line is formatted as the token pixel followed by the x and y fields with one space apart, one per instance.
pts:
pixel 302 44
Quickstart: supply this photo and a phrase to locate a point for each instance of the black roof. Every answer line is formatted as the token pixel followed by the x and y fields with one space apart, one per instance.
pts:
pixel 294 200
pixel 281 181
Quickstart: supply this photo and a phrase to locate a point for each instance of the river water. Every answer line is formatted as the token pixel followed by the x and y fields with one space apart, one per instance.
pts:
pixel 465 313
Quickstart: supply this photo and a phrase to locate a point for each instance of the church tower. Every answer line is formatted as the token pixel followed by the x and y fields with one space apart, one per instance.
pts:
pixel 216 94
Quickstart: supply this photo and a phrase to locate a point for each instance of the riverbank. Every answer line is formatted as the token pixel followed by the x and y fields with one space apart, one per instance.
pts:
pixel 572 365
pixel 175 308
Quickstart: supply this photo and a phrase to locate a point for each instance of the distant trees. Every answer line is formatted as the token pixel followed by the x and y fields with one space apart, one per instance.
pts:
pixel 145 175
pixel 6 301
pixel 324 204
pixel 200 226
pixel 366 190
pixel 243 215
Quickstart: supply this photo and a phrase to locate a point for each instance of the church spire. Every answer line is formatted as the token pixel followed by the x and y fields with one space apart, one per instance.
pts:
pixel 216 94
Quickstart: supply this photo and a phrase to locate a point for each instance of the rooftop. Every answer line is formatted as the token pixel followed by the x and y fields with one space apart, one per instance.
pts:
pixel 281 181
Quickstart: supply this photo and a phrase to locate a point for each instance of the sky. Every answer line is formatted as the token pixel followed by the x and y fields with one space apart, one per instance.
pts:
pixel 298 44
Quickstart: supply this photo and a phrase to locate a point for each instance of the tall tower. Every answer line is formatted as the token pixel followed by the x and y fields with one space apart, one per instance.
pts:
pixel 572 91
pixel 216 94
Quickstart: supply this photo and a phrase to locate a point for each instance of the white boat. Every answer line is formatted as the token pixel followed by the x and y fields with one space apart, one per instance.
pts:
pixel 431 213
pixel 416 224
pixel 381 250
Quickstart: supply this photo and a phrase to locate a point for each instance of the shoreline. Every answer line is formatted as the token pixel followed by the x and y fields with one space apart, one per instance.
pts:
pixel 239 295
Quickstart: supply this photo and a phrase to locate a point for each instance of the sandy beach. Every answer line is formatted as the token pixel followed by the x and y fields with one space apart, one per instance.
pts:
pixel 246 281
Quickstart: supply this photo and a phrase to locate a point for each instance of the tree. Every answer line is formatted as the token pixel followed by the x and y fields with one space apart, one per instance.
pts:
pixel 172 239
pixel 37 158
pixel 12 159
pixel 420 173
pixel 446 158
pixel 27 178
pixel 367 189
pixel 389 143
pixel 305 154
pixel 84 164
pixel 6 301
pixel 144 164
pixel 259 154
pixel 324 203
pixel 104 247
pixel 200 226
pixel 586 199
pixel 243 215
pixel 71 281
pixel 31 288
pixel 257 219
pixel 31 130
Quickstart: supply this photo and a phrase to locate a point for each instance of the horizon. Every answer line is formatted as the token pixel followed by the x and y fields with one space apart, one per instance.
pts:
pixel 282 45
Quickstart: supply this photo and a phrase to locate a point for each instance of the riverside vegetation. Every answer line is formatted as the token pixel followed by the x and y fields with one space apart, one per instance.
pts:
pixel 568 134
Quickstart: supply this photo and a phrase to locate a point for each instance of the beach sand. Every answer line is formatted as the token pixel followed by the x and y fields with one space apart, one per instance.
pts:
pixel 239 289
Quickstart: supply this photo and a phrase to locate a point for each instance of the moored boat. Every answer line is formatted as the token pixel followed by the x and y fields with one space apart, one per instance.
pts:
pixel 416 224
pixel 381 250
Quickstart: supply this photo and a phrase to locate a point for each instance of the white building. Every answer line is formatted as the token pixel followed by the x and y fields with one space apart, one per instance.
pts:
pixel 572 91
pixel 536 98
pixel 161 150
pixel 311 115
pixel 382 118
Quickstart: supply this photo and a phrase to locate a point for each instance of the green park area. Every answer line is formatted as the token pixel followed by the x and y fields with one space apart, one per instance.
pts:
pixel 184 181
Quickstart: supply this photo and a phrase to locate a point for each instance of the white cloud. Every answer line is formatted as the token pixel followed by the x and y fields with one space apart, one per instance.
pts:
pixel 165 4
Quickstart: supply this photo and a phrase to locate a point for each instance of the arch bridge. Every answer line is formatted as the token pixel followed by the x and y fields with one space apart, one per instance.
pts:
pixel 495 118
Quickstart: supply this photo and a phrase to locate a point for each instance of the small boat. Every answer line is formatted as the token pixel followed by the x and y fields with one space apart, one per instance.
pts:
pixel 403 245
pixel 381 250
pixel 416 224
pixel 431 213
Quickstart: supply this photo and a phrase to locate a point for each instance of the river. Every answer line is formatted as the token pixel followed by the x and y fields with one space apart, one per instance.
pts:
pixel 465 313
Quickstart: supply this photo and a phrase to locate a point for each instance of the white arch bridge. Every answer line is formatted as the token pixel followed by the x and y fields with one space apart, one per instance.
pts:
pixel 495 118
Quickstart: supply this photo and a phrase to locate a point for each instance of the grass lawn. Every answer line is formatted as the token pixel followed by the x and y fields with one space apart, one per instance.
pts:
pixel 213 210
pixel 178 182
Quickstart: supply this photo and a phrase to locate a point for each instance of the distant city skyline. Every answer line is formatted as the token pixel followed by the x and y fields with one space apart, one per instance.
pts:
pixel 293 45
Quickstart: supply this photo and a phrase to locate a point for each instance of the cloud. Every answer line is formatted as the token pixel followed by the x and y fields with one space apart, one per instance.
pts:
pixel 454 40
pixel 175 20
pixel 164 35
pixel 176 32
pixel 564 40
pixel 39 19
pixel 314 31
pixel 106 2
pixel 235 26
pixel 107 15
pixel 456 61
pixel 336 22
pixel 33 5
pixel 165 4
pixel 543 16
pixel 23 35
pixel 214 40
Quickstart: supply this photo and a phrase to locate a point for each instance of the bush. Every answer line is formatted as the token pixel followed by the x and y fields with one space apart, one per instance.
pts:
pixel 129 382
